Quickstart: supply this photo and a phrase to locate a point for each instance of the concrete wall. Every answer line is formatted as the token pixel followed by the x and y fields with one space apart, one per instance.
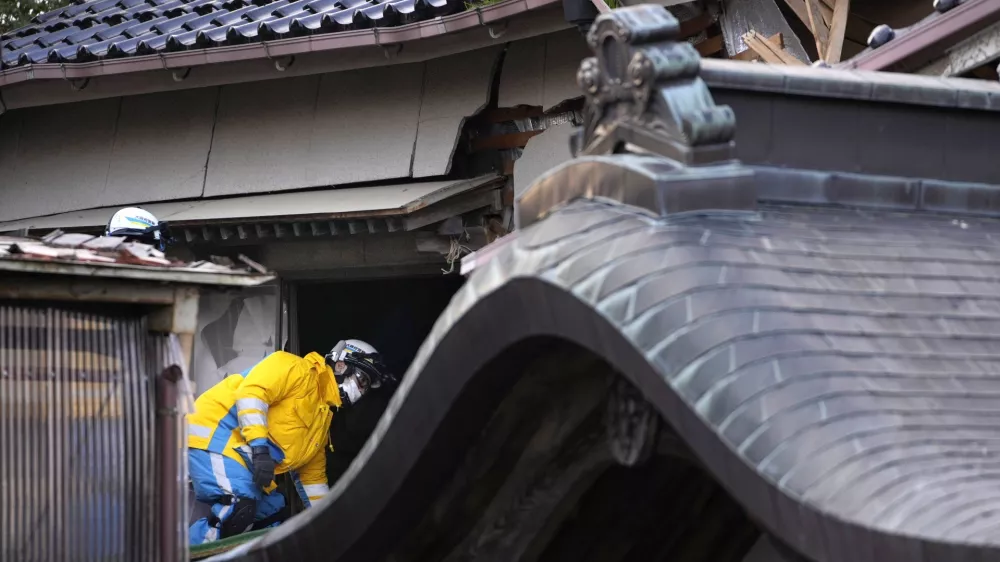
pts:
pixel 309 131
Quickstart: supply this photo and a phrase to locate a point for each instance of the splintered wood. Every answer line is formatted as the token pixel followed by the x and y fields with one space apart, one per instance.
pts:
pixel 827 21
pixel 838 28
pixel 770 49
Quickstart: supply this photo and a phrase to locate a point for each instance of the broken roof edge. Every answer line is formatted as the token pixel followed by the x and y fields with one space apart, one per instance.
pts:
pixel 929 38
pixel 852 84
pixel 174 212
pixel 484 16
pixel 119 271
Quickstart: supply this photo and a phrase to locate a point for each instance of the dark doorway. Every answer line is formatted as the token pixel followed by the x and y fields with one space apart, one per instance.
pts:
pixel 394 315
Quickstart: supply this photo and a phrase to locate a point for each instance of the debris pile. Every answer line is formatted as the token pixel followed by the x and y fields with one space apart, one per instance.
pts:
pixel 59 246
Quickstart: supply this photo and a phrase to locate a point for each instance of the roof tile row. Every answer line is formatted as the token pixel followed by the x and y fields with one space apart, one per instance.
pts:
pixel 99 29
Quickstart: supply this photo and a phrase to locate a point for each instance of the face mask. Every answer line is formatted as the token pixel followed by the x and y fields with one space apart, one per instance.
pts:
pixel 351 389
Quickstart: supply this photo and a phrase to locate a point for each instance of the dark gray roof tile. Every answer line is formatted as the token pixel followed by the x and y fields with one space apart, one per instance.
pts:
pixel 265 12
pixel 223 18
pixel 204 6
pixel 86 33
pixel 39 54
pixel 68 53
pixel 199 23
pixel 182 41
pixel 54 38
pixel 151 45
pixel 128 46
pixel 93 51
pixel 291 8
pixel 321 6
pixel 11 57
pixel 141 28
pixel 175 23
pixel 20 43
pixel 73 11
pixel 306 25
pixel 279 27
pixel 212 37
pixel 103 5
pixel 95 29
pixel 115 30
pixel 338 20
pixel 379 15
pixel 243 33
pixel 40 18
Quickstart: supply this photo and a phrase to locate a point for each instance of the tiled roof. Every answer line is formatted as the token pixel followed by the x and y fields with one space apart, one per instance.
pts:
pixel 99 29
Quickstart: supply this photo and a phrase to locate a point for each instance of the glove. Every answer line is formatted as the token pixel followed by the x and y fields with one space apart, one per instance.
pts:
pixel 263 467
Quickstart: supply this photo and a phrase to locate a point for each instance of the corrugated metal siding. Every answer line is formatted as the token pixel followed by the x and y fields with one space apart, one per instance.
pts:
pixel 77 442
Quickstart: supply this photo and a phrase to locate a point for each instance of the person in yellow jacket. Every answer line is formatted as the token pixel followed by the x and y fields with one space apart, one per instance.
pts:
pixel 271 419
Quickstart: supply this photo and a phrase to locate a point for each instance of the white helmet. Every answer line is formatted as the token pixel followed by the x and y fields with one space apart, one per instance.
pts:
pixel 131 221
pixel 357 367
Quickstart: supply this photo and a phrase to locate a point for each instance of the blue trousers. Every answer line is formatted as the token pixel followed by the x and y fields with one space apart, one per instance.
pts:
pixel 229 488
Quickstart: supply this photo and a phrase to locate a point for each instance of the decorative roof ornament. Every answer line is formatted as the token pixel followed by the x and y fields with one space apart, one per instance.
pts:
pixel 652 135
pixel 643 88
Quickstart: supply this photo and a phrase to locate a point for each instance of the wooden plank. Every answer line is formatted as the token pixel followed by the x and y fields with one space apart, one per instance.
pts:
pixel 710 46
pixel 838 30
pixel 799 7
pixel 817 26
pixel 857 29
pixel 769 52
pixel 696 25
pixel 763 16
pixel 750 55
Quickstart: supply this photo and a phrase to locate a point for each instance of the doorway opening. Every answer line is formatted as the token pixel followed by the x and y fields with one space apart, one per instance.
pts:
pixel 394 315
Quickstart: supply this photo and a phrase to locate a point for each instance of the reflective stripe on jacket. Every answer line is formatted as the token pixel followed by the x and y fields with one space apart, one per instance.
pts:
pixel 283 402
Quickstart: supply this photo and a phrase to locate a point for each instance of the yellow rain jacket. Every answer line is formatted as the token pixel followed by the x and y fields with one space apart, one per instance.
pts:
pixel 283 402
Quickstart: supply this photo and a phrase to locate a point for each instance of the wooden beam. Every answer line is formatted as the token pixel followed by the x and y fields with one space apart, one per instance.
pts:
pixel 838 30
pixel 710 46
pixel 799 7
pixel 777 40
pixel 768 51
pixel 696 25
pixel 857 29
pixel 818 27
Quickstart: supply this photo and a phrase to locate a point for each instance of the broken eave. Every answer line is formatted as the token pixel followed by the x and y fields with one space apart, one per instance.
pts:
pixel 928 39
pixel 300 215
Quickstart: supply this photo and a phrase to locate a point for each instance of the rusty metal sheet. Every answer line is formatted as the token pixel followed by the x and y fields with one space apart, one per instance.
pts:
pixel 76 435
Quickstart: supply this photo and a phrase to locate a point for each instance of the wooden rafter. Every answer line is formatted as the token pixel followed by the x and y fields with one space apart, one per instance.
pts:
pixel 768 51
pixel 818 26
pixel 838 30
pixel 775 40
pixel 856 29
